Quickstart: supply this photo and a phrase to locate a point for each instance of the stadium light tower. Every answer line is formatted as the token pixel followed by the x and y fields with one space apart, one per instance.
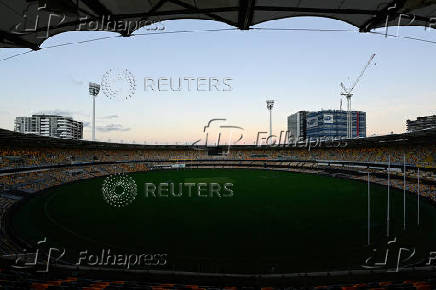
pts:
pixel 94 89
pixel 270 106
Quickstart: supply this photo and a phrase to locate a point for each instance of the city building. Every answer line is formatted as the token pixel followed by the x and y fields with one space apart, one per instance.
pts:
pixel 421 123
pixel 50 126
pixel 333 123
pixel 297 125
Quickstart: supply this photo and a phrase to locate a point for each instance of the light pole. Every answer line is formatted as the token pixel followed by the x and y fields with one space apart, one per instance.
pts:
pixel 404 193
pixel 418 197
pixel 270 106
pixel 94 89
pixel 388 217
pixel 369 212
pixel 349 118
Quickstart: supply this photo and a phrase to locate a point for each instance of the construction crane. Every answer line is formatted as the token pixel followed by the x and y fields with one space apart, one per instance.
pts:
pixel 348 93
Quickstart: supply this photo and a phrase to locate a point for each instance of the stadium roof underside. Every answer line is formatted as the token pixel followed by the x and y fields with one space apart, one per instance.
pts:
pixel 27 23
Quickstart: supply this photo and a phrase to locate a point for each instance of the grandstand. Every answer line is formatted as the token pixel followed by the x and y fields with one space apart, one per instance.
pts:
pixel 30 164
pixel 301 216
pixel 112 280
pixel 23 152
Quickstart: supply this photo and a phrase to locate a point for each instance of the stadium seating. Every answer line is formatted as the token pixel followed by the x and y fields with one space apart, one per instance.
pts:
pixel 28 168
pixel 26 280
pixel 95 162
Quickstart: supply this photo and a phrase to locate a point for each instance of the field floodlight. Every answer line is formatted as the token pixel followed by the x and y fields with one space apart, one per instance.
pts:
pixel 94 89
pixel 270 106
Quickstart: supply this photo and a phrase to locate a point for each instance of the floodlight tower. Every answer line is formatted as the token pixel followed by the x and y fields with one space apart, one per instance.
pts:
pixel 94 89
pixel 270 106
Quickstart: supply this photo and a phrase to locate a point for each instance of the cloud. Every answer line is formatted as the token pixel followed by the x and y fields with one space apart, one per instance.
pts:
pixel 109 117
pixel 62 112
pixel 76 81
pixel 113 128
pixel 55 112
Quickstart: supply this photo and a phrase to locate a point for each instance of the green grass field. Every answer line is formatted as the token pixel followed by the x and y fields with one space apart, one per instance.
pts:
pixel 292 222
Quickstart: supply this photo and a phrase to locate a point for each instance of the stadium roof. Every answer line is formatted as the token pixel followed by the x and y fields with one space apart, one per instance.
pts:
pixel 19 140
pixel 27 23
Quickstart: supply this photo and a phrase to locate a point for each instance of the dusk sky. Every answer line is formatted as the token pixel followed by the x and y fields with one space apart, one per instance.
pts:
pixel 300 70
